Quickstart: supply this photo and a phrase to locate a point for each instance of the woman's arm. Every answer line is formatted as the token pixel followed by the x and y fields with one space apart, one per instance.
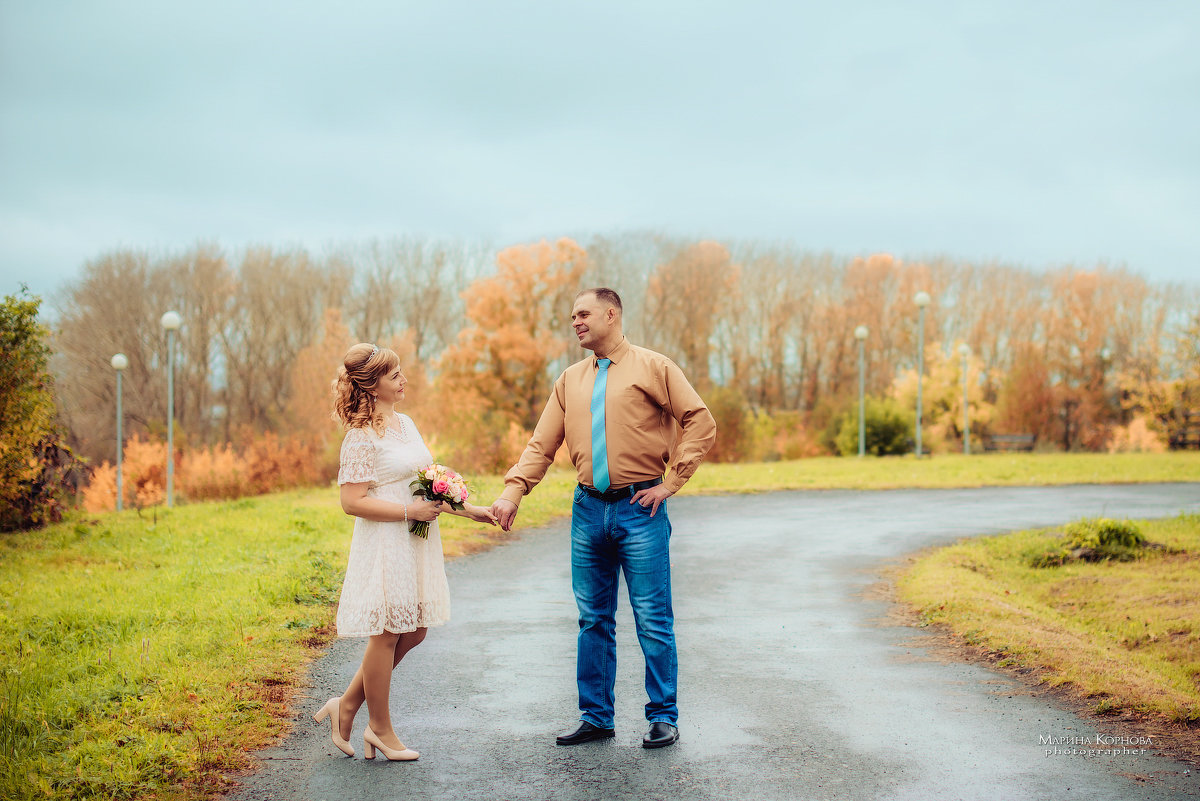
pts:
pixel 480 514
pixel 356 501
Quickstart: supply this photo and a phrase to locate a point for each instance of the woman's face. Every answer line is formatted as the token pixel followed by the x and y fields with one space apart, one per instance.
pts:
pixel 391 386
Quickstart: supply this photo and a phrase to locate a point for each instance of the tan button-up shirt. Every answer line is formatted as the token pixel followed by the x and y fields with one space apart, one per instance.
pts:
pixel 645 396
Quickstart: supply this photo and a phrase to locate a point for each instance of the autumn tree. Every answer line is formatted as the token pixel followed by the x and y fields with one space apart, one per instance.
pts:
pixel 1070 354
pixel 280 300
pixel 1078 329
pixel 107 312
pixel 518 327
pixel 34 461
pixel 1166 398
pixel 942 397
pixel 116 307
pixel 412 285
pixel 1026 400
pixel 624 263
pixel 685 298
pixel 770 310
pixel 309 409
pixel 879 292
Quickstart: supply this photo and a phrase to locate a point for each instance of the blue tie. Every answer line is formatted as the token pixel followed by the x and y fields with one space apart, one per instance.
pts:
pixel 599 446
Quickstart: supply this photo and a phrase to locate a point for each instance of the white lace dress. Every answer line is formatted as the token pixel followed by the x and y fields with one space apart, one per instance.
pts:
pixel 395 581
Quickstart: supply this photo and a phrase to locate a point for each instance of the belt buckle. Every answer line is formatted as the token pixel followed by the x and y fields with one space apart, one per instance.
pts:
pixel 613 495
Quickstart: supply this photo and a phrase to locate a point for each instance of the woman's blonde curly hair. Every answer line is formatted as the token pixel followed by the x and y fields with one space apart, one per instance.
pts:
pixel 354 403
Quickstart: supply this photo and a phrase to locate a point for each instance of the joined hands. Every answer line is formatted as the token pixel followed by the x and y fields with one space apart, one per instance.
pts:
pixel 505 512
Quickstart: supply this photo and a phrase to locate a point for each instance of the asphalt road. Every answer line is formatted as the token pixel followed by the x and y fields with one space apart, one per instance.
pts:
pixel 793 685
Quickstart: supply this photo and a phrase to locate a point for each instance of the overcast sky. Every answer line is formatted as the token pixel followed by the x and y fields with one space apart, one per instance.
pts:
pixel 1031 132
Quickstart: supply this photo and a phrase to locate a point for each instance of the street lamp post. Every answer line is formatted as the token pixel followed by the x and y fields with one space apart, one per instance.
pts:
pixel 922 300
pixel 171 322
pixel 964 350
pixel 860 334
pixel 119 363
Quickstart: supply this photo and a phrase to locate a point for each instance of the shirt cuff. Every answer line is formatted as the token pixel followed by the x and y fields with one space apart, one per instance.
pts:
pixel 674 483
pixel 513 495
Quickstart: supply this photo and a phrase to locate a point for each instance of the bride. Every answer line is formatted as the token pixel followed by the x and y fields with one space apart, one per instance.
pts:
pixel 395 586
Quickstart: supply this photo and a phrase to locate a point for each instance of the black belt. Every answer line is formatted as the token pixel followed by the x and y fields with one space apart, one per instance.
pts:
pixel 620 493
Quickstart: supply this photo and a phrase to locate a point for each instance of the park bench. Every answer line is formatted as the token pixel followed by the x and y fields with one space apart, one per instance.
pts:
pixel 1010 442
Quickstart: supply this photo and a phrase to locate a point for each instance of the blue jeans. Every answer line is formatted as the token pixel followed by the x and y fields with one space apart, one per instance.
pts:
pixel 607 538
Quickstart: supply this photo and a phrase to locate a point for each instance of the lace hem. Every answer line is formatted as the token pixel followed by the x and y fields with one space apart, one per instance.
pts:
pixel 394 619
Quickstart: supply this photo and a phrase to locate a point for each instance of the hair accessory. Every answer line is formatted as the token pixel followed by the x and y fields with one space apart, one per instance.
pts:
pixel 374 350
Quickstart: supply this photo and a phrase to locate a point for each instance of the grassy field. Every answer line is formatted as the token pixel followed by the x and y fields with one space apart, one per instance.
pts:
pixel 1124 635
pixel 145 654
pixel 954 470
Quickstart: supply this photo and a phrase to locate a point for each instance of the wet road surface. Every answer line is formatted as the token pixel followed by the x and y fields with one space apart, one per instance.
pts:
pixel 790 686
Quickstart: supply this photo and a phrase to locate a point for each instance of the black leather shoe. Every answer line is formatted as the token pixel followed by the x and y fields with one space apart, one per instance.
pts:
pixel 660 735
pixel 584 734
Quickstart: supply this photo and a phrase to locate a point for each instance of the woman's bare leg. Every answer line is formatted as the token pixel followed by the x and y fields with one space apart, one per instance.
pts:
pixel 355 695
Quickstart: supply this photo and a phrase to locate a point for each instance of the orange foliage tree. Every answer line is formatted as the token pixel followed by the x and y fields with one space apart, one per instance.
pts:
pixel 1078 330
pixel 494 380
pixel 518 327
pixel 1072 355
pixel 309 412
pixel 1025 404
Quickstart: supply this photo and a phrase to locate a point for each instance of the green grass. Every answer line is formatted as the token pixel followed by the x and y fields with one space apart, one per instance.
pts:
pixel 147 654
pixel 142 653
pixel 952 470
pixel 1124 634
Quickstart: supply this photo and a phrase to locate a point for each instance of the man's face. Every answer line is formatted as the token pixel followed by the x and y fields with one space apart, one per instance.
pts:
pixel 591 320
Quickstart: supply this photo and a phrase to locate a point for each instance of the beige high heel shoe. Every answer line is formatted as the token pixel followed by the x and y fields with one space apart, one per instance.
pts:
pixel 371 742
pixel 332 710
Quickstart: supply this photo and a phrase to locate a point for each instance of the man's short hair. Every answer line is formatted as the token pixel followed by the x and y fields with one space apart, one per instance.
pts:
pixel 605 295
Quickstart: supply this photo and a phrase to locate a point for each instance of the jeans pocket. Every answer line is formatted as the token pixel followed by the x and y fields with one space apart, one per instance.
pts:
pixel 662 508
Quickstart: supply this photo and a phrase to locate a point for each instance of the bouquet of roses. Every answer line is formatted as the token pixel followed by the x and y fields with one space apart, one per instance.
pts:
pixel 438 483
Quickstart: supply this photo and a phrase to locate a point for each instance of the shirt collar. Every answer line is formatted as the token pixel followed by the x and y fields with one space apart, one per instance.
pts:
pixel 617 353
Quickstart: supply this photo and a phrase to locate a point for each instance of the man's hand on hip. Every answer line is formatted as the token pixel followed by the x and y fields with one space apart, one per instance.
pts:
pixel 652 497
pixel 505 512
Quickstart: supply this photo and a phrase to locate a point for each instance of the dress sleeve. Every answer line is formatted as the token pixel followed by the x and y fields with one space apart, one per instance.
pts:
pixel 357 464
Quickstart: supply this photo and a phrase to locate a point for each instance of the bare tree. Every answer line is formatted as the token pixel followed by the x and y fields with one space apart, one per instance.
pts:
pixel 277 309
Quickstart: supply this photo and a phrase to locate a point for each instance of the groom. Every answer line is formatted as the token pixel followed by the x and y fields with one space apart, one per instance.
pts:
pixel 618 411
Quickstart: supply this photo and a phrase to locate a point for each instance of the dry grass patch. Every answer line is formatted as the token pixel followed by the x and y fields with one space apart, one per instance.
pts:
pixel 1123 635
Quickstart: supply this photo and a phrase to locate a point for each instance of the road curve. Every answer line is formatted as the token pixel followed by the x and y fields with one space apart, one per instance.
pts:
pixel 789 686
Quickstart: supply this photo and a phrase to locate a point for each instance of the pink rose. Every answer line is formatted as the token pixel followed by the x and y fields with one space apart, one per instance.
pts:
pixel 463 498
pixel 441 486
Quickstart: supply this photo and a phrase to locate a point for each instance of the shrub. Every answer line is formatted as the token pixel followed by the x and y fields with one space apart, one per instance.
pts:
pixel 35 463
pixel 775 436
pixel 264 464
pixel 1137 437
pixel 212 474
pixel 734 433
pixel 272 463
pixel 1094 540
pixel 144 478
pixel 1103 532
pixel 888 429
